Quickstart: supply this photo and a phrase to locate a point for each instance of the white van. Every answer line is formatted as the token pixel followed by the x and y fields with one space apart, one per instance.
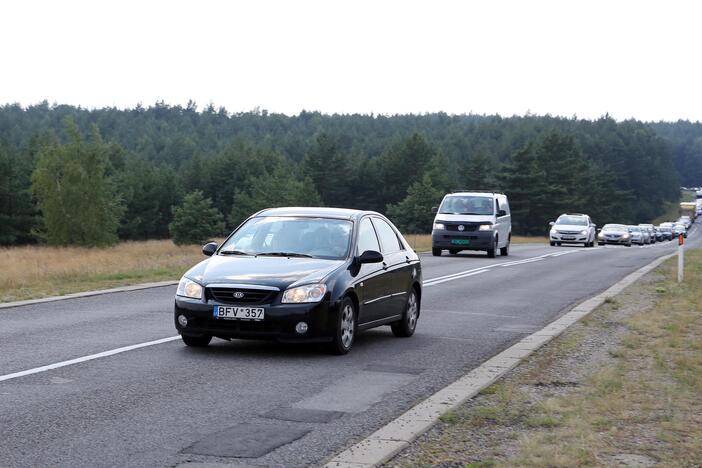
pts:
pixel 472 220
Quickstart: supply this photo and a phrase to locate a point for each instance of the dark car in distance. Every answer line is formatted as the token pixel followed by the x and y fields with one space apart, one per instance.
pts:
pixel 302 275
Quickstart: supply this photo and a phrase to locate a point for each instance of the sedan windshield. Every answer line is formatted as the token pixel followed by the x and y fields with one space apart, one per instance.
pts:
pixel 614 227
pixel 467 205
pixel 635 229
pixel 291 237
pixel 572 220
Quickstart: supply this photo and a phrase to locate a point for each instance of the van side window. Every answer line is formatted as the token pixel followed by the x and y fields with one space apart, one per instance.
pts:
pixel 388 238
pixel 504 205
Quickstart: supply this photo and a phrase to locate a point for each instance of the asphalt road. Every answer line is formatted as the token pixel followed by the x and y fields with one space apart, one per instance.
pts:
pixel 168 405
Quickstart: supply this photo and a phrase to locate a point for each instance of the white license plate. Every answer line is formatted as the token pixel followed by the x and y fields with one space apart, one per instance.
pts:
pixel 568 238
pixel 239 313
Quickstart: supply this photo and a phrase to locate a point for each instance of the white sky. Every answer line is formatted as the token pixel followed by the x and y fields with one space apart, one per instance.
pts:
pixel 637 59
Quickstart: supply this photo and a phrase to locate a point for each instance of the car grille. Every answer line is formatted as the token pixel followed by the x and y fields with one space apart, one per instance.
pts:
pixel 466 227
pixel 569 233
pixel 247 296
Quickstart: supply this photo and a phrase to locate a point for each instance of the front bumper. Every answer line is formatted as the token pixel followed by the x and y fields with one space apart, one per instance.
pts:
pixel 472 240
pixel 619 241
pixel 567 237
pixel 278 324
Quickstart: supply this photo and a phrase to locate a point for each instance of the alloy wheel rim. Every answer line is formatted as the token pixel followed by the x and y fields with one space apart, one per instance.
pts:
pixel 412 310
pixel 347 326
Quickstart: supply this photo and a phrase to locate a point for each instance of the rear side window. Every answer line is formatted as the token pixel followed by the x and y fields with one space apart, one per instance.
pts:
pixel 367 240
pixel 502 203
pixel 388 239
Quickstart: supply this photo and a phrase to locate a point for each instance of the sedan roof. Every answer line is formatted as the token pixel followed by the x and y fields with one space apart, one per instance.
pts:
pixel 339 213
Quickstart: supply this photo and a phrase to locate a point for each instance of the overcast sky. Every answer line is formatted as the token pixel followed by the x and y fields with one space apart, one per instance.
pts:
pixel 627 58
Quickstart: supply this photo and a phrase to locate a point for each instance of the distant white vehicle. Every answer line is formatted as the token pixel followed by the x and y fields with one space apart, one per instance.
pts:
pixel 573 228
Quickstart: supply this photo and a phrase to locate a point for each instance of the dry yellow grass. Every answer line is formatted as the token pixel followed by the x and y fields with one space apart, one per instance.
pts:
pixel 31 272
pixel 40 271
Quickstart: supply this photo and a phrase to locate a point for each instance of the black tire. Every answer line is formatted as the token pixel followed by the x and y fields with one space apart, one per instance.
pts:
pixel 405 327
pixel 196 341
pixel 553 244
pixel 343 340
pixel 491 251
pixel 436 252
pixel 504 251
pixel 558 244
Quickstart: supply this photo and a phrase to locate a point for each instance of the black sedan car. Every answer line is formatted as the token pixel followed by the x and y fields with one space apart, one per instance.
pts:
pixel 302 274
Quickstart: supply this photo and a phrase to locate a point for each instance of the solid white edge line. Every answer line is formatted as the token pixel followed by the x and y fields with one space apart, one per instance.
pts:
pixel 385 443
pixel 91 357
pixel 97 292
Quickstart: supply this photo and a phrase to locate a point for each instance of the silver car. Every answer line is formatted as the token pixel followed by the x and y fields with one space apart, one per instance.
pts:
pixel 651 232
pixel 639 235
pixel 573 229
pixel 617 234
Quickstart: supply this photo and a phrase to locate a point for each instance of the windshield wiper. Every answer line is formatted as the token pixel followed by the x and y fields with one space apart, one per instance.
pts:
pixel 477 214
pixel 234 252
pixel 284 254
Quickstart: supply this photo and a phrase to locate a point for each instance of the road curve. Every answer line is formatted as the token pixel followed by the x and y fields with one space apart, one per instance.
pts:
pixel 254 403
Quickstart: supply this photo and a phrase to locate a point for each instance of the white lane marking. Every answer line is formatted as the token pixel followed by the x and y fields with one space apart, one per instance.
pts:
pixel 70 362
pixel 434 283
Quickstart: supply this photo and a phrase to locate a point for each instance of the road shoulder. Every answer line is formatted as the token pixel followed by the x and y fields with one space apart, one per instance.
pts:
pixel 397 435
pixel 621 387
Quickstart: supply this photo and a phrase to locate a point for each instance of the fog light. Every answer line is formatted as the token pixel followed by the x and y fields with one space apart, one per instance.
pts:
pixel 301 328
pixel 182 321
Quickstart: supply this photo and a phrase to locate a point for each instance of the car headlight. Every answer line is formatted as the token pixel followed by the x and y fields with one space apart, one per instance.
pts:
pixel 600 235
pixel 439 226
pixel 583 232
pixel 309 293
pixel 554 231
pixel 625 236
pixel 189 288
pixel 485 227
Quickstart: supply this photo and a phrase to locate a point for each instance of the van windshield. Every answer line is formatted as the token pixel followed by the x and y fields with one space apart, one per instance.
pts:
pixel 467 205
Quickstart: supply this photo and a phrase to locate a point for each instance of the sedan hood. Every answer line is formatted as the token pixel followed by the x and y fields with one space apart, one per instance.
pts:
pixel 569 227
pixel 280 272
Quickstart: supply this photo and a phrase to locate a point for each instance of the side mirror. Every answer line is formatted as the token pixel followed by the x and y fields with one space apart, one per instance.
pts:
pixel 434 209
pixel 209 249
pixel 502 213
pixel 551 223
pixel 370 256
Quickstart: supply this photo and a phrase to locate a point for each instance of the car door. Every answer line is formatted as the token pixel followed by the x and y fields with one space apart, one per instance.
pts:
pixel 370 279
pixel 397 275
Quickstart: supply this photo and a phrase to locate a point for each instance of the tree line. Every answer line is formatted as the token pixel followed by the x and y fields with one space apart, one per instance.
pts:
pixel 90 177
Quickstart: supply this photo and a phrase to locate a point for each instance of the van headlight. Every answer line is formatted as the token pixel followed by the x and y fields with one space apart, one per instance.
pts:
pixel 439 226
pixel 485 227
pixel 189 288
pixel 301 294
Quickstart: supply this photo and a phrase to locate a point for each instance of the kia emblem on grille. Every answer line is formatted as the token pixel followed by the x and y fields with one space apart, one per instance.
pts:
pixel 461 227
pixel 238 294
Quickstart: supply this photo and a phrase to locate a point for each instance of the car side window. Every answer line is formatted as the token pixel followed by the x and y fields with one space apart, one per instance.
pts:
pixel 388 238
pixel 367 239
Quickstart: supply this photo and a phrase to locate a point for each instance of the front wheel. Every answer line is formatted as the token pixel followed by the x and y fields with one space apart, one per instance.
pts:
pixel 553 244
pixel 405 327
pixel 504 251
pixel 345 332
pixel 436 252
pixel 196 341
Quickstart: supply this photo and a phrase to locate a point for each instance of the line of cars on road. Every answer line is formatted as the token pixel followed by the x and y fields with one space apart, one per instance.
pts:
pixel 578 228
